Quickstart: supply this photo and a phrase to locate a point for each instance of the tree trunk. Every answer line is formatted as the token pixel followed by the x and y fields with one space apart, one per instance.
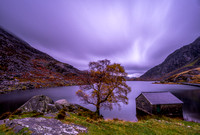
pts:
pixel 98 102
pixel 98 110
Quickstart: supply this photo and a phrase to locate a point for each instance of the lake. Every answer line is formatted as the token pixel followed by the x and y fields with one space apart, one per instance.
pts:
pixel 190 95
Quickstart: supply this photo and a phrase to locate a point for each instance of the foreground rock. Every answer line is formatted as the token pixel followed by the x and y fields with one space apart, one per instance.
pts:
pixel 45 105
pixel 60 104
pixel 40 103
pixel 44 126
pixel 42 106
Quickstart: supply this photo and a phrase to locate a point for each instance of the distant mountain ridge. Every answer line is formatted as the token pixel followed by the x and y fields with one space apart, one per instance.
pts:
pixel 185 58
pixel 24 67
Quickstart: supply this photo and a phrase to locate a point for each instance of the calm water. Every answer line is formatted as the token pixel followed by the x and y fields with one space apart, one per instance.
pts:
pixel 190 95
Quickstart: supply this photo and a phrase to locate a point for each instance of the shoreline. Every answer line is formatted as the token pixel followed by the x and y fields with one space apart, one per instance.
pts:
pixel 6 91
pixel 192 84
pixel 53 86
pixel 178 83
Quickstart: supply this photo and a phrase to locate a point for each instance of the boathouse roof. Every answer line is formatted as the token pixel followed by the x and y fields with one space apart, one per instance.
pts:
pixel 161 98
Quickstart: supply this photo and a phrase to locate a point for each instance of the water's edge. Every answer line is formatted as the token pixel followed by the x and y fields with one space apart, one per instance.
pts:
pixel 190 95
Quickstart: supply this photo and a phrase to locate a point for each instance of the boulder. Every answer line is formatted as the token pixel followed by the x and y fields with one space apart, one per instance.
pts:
pixel 1 122
pixel 17 128
pixel 44 126
pixel 61 104
pixel 39 103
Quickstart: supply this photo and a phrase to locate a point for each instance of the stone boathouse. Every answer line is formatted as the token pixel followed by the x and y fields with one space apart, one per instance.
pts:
pixel 159 103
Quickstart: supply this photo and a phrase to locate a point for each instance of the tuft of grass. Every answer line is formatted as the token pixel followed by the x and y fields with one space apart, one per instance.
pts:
pixel 61 115
pixel 25 115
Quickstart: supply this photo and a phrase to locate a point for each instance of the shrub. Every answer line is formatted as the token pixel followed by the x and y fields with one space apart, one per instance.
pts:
pixel 115 119
pixel 89 120
pixel 61 115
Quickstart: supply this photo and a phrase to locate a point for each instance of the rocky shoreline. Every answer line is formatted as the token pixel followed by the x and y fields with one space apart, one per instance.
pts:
pixel 47 118
pixel 41 115
pixel 9 86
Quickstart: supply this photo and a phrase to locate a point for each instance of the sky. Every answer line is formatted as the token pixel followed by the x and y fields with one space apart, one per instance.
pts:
pixel 138 34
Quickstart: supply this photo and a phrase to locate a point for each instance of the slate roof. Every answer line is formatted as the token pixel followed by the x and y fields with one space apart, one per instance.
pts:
pixel 161 98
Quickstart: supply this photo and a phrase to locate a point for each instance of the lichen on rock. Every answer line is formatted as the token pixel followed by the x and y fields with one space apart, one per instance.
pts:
pixel 62 103
pixel 45 126
pixel 39 103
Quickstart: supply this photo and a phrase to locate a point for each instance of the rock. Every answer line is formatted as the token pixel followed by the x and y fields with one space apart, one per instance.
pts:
pixel 75 108
pixel 17 128
pixel 67 114
pixel 40 103
pixel 194 72
pixel 44 104
pixel 46 126
pixel 50 115
pixel 61 104
pixel 10 124
pixel 81 129
pixel 51 108
pixel 1 122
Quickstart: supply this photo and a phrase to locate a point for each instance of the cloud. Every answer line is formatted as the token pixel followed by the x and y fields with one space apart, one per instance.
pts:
pixel 138 34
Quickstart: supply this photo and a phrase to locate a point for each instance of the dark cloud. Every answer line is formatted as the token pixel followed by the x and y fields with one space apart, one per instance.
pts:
pixel 138 34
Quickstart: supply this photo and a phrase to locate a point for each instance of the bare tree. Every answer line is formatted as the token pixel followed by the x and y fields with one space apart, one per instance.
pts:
pixel 104 85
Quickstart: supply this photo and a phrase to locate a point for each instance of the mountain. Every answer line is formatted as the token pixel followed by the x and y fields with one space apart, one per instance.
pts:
pixel 183 59
pixel 24 67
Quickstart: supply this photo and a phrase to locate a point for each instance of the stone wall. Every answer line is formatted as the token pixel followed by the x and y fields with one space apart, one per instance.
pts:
pixel 143 103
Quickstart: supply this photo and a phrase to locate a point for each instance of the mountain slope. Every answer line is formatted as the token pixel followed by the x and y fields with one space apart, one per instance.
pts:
pixel 185 58
pixel 188 76
pixel 22 66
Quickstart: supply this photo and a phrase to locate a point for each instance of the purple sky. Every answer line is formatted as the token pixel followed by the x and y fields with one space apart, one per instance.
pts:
pixel 139 34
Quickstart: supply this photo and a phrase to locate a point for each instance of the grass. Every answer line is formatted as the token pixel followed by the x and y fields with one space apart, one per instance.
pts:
pixel 147 126
pixel 160 125
pixel 192 63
